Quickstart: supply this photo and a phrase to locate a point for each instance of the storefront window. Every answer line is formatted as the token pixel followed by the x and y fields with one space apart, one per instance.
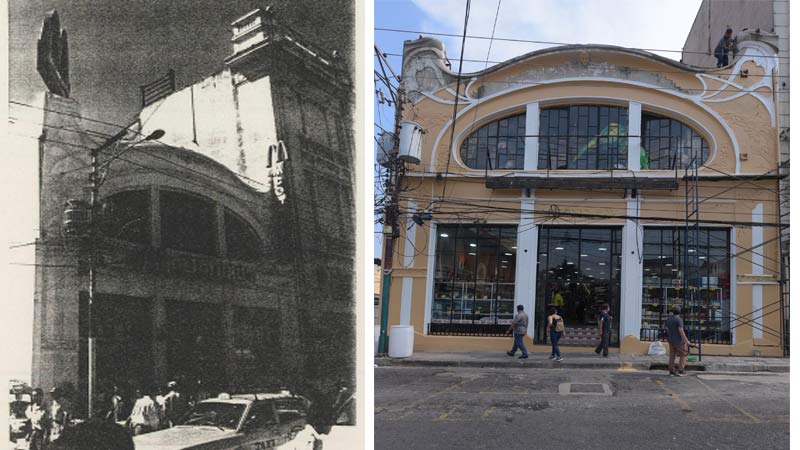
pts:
pixel 474 279
pixel 668 144
pixel 578 270
pixel 583 137
pixel 671 268
pixel 496 145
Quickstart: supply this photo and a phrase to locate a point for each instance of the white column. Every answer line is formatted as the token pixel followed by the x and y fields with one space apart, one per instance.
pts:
pixel 525 277
pixel 631 295
pixel 411 235
pixel 405 301
pixel 432 238
pixel 634 138
pixel 757 258
pixel 532 136
pixel 408 260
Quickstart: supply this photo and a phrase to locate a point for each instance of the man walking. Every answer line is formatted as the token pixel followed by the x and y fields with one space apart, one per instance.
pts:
pixel 520 327
pixel 678 343
pixel 604 328
pixel 175 404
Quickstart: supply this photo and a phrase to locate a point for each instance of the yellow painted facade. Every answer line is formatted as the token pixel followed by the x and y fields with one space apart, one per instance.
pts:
pixel 735 114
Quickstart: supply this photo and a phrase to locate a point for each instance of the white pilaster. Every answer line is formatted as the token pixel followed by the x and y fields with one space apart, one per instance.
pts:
pixel 757 255
pixel 634 138
pixel 631 291
pixel 527 242
pixel 405 301
pixel 532 136
pixel 411 236
pixel 757 258
pixel 432 238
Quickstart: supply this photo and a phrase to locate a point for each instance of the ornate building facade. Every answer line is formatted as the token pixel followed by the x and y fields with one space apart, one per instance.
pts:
pixel 224 250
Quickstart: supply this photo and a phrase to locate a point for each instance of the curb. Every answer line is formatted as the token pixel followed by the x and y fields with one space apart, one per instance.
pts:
pixel 540 364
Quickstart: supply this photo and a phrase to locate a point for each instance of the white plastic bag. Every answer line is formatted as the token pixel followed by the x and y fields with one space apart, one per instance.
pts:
pixel 656 349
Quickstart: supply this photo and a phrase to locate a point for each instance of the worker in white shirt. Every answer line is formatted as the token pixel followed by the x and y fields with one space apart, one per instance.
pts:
pixel 144 415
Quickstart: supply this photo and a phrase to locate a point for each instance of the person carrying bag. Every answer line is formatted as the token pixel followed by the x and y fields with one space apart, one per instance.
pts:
pixel 555 327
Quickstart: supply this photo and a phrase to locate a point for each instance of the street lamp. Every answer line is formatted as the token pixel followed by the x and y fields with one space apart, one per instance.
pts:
pixel 91 225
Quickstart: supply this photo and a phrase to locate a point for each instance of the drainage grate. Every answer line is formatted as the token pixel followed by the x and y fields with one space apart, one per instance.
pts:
pixel 584 389
pixel 591 388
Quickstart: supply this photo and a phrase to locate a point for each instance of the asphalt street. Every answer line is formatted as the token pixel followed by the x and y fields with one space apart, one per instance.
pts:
pixel 571 409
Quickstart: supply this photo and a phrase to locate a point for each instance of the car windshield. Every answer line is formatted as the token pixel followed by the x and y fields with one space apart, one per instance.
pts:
pixel 218 414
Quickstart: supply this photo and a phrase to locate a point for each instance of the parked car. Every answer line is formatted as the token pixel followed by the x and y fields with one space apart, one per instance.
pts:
pixel 238 422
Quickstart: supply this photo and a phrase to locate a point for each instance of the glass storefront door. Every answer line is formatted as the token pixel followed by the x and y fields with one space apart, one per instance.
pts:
pixel 578 270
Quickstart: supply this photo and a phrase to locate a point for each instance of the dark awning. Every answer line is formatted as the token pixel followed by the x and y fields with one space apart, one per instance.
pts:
pixel 581 183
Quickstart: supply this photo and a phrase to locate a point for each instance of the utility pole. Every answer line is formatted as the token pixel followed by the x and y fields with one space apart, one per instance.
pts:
pixel 91 235
pixel 390 220
pixel 90 349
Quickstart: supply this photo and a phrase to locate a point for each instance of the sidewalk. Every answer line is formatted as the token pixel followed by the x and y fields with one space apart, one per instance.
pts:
pixel 583 361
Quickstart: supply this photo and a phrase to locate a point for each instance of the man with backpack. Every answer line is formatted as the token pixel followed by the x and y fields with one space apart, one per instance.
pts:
pixel 555 328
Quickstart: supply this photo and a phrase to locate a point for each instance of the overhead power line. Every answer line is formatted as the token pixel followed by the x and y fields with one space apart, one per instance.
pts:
pixel 458 87
pixel 531 41
pixel 588 66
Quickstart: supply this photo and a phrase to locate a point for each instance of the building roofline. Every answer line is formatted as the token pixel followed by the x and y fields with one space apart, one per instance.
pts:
pixel 573 48
pixel 249 15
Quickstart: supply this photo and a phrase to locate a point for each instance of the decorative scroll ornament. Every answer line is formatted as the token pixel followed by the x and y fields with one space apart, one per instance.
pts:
pixel 278 155
pixel 52 56
pixel 760 55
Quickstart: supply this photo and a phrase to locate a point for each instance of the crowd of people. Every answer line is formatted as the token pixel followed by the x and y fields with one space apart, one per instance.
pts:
pixel 143 412
pixel 679 343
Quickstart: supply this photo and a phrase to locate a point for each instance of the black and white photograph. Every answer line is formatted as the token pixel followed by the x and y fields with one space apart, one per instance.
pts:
pixel 182 255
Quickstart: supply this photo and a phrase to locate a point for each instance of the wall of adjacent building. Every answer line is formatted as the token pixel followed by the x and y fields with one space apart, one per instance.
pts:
pixel 713 17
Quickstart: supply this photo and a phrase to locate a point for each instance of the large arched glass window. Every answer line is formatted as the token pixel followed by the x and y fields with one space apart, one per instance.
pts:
pixel 496 145
pixel 240 239
pixel 188 223
pixel 668 144
pixel 126 216
pixel 583 137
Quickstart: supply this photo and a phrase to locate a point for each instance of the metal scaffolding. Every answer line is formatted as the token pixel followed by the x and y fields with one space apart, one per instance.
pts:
pixel 696 312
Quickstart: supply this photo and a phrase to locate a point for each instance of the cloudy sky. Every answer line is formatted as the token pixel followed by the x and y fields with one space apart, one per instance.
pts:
pixel 646 24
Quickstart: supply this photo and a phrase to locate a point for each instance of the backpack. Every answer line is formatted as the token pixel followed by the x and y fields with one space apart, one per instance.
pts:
pixel 558 324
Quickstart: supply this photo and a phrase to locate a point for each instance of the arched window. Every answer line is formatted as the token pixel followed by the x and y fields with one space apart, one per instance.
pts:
pixel 126 216
pixel 240 239
pixel 668 144
pixel 496 145
pixel 188 223
pixel 583 137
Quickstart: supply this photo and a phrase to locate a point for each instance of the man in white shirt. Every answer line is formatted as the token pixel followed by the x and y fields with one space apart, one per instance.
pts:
pixel 144 415
pixel 35 413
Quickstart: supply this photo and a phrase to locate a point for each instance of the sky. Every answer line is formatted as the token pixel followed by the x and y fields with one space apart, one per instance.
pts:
pixel 648 24
pixel 115 46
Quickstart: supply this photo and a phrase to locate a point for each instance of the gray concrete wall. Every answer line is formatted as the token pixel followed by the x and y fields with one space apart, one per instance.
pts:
pixel 713 17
